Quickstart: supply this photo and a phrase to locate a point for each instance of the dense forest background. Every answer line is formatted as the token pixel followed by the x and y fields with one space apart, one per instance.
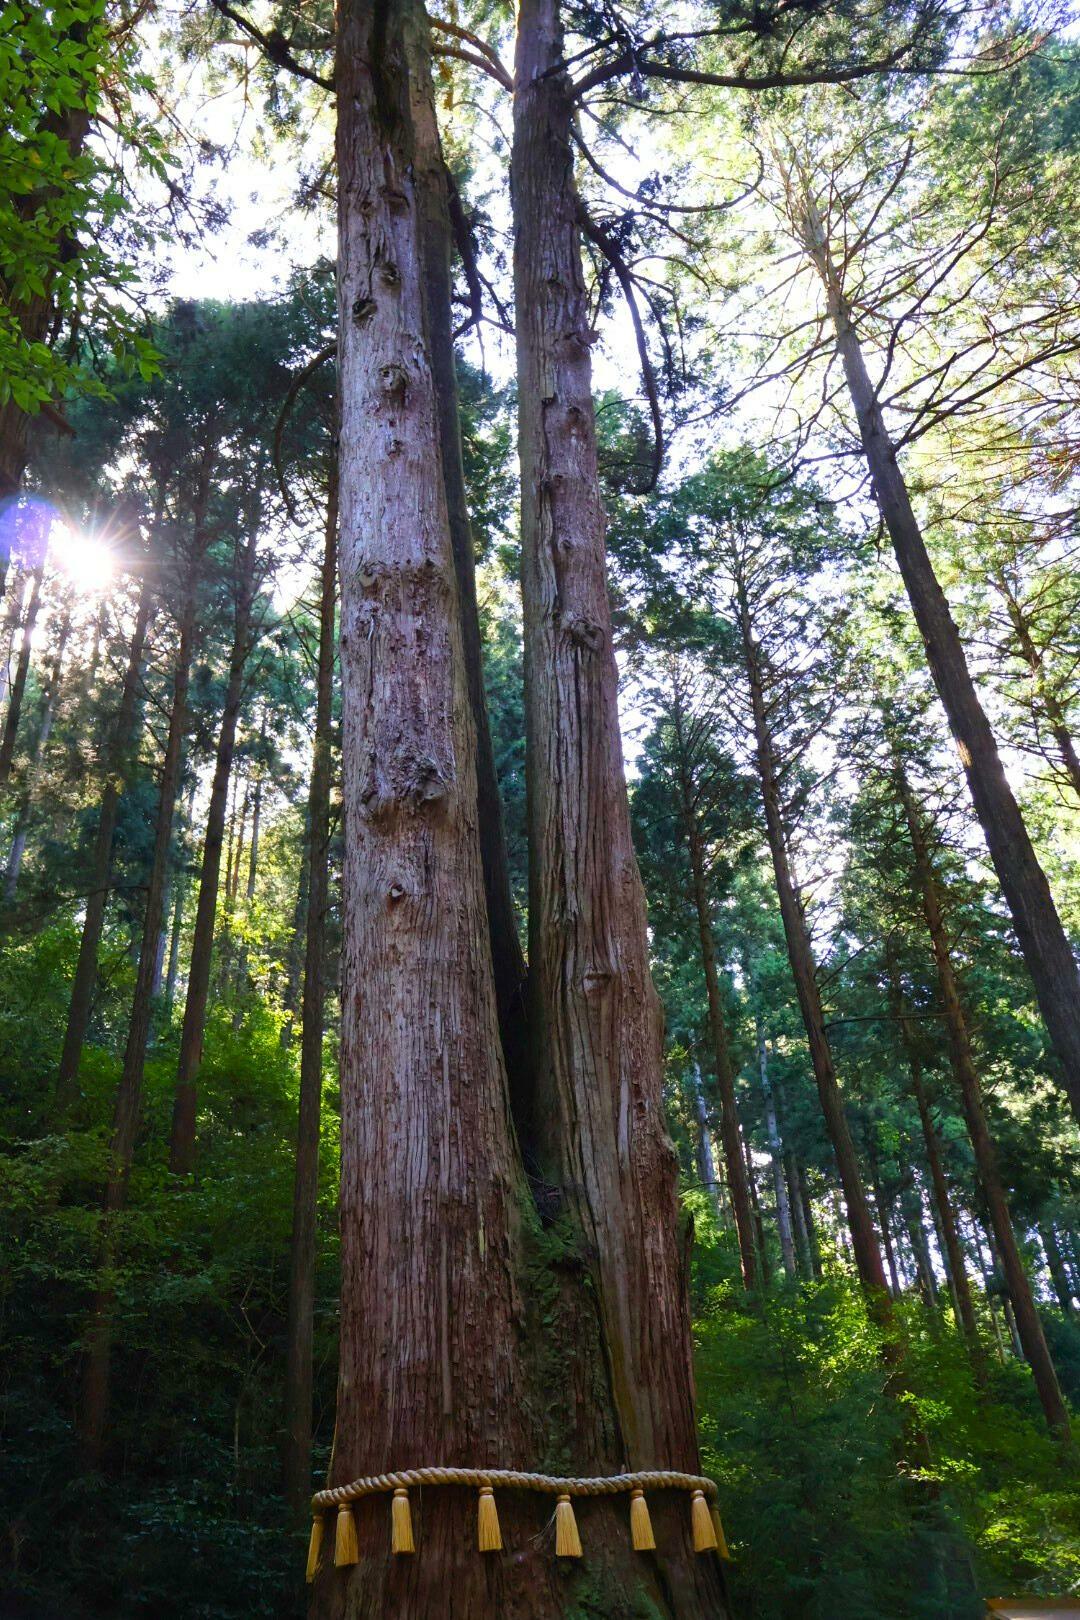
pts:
pixel 844 991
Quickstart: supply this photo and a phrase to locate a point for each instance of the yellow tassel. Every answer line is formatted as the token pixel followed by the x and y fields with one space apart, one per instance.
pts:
pixel 567 1540
pixel 701 1523
pixel 641 1531
pixel 401 1536
pixel 488 1534
pixel 721 1539
pixel 346 1550
pixel 314 1550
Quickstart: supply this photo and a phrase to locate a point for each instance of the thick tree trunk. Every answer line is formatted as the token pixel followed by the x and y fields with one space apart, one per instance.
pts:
pixel 296 1449
pixel 508 959
pixel 595 1018
pixel 803 968
pixel 45 725
pixel 1028 1324
pixel 95 1389
pixel 83 984
pixel 730 1134
pixel 182 1139
pixel 432 1357
pixel 18 685
pixel 1042 938
pixel 776 1154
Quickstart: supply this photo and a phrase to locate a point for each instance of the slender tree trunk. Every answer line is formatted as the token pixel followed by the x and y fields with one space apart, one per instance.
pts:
pixel 920 1246
pixel 431 1342
pixel 85 980
pixel 804 972
pixel 776 1154
pixel 884 1225
pixel 95 1388
pixel 762 1251
pixel 595 1016
pixel 1028 1324
pixel 731 1136
pixel 952 1249
pixel 294 964
pixel 1047 951
pixel 173 969
pixel 182 1139
pixel 1055 1265
pixel 705 1160
pixel 45 725
pixel 299 1330
pixel 18 685
pixel 435 200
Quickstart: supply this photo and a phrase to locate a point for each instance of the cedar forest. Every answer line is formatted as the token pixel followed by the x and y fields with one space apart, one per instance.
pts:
pixel 539 807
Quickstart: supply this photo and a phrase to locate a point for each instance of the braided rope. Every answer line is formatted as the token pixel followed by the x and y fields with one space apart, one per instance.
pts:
pixel 510 1478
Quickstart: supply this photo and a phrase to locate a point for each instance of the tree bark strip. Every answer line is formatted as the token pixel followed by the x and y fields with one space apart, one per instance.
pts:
pixel 18 685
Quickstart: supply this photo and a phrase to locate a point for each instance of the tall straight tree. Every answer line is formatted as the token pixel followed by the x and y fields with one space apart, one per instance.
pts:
pixel 963 1063
pixel 1043 940
pixel 430 1351
pixel 595 1020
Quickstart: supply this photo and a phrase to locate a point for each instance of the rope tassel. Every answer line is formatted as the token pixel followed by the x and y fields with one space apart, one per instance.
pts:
pixel 401 1536
pixel 567 1540
pixel 346 1549
pixel 641 1530
pixel 701 1523
pixel 488 1534
pixel 314 1552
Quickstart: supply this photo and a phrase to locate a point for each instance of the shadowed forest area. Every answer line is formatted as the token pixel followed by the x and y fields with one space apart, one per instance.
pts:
pixel 539 807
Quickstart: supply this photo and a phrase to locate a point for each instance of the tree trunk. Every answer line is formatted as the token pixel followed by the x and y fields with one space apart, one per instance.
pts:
pixel 296 1450
pixel 431 1344
pixel 884 1227
pixel 952 1249
pixel 920 1246
pixel 85 979
pixel 182 1139
pixel 18 685
pixel 1056 1267
pixel 706 1162
pixel 508 960
pixel 173 969
pixel 776 1154
pixel 1042 938
pixel 761 1248
pixel 1027 1320
pixel 595 1018
pixel 45 725
pixel 95 1389
pixel 804 971
pixel 730 1134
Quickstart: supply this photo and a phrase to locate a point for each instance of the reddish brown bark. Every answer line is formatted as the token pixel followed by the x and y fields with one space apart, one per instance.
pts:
pixel 595 1019
pixel 1028 1324
pixel 431 1313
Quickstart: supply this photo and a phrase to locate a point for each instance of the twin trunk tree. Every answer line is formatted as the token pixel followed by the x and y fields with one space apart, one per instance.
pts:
pixel 445 1353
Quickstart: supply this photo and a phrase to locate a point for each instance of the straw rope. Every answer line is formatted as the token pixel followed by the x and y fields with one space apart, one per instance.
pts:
pixel 510 1478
